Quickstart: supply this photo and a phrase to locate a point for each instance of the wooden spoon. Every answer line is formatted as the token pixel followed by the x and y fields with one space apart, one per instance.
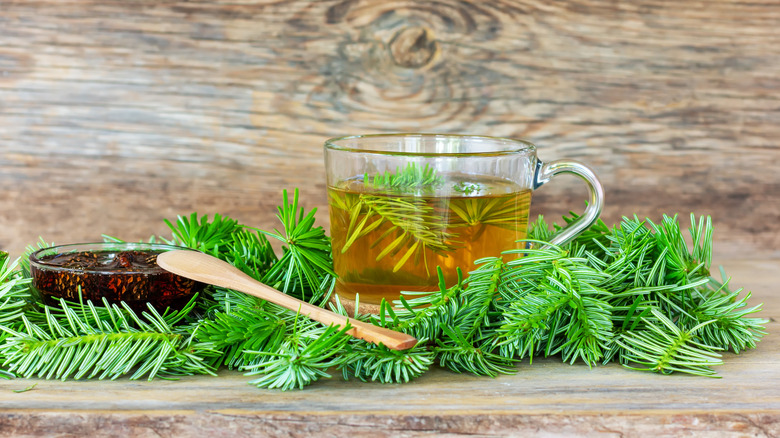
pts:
pixel 207 269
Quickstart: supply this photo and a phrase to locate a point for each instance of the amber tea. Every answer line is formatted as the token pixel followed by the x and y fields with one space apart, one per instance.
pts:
pixel 403 204
pixel 389 237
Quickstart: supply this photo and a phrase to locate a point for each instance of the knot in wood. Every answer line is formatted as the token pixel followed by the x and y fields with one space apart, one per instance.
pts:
pixel 413 47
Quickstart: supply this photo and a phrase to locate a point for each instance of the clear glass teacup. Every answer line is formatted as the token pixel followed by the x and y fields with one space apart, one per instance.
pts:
pixel 403 205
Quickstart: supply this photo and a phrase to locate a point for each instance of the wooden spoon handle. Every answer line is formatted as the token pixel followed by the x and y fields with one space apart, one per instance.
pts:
pixel 207 269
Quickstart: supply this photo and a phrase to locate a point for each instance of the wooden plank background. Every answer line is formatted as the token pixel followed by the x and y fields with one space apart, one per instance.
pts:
pixel 117 114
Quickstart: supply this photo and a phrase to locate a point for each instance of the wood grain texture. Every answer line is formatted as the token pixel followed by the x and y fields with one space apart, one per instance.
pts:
pixel 546 398
pixel 115 115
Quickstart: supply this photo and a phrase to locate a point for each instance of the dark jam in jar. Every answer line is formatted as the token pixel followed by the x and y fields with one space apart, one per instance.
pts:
pixel 131 276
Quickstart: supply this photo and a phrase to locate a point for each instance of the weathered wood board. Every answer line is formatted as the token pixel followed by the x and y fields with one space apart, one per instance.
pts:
pixel 546 398
pixel 115 115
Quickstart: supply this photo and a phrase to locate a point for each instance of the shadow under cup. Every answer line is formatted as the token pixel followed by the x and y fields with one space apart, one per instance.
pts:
pixel 405 206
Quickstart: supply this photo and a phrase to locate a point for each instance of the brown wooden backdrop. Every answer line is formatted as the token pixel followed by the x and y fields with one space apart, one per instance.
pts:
pixel 117 114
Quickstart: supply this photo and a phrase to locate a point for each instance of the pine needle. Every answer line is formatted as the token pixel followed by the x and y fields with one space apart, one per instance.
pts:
pixel 637 293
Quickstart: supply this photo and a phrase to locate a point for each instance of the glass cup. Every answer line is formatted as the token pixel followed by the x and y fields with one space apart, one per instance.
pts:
pixel 403 205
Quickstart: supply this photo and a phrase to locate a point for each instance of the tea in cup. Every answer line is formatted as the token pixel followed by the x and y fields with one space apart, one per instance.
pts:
pixel 404 205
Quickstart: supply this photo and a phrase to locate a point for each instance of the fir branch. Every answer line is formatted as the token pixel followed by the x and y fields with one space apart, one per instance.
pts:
pixel 731 328
pixel 14 290
pixel 531 315
pixel 377 363
pixel 635 293
pixel 559 307
pixel 683 265
pixel 225 239
pixel 664 348
pixel 15 298
pixel 539 230
pixel 249 251
pixel 306 266
pixel 460 354
pixel 24 261
pixel 411 221
pixel 409 225
pixel 499 211
pixel 424 316
pixel 410 179
pixel 102 343
pixel 593 238
pixel 301 359
pixel 203 234
pixel 532 325
pixel 627 256
pixel 238 331
pixel 478 308
pixel 590 329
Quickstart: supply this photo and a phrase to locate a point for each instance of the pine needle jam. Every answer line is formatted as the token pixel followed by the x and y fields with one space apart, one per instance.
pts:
pixel 118 272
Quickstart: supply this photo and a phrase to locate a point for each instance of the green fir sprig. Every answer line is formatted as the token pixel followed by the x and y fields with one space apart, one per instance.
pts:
pixel 637 294
pixel 412 178
pixel 410 226
pixel 84 341
pixel 377 363
pixel 303 357
pixel 306 266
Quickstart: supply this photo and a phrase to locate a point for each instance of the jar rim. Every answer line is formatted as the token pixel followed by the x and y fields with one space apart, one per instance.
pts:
pixel 36 257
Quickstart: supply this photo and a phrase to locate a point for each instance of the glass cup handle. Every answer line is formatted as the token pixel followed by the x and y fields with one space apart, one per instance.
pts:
pixel 545 172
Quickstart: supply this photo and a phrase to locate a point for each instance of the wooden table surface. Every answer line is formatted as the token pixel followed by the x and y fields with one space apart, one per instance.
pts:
pixel 546 397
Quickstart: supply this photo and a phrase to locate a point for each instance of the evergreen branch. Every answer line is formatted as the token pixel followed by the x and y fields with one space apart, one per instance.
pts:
pixel 636 293
pixel 15 298
pixel 408 224
pixel 24 262
pixel 665 348
pixel 590 331
pixel 593 238
pixel 203 235
pixel 14 290
pixel 238 331
pixel 423 317
pixel 404 223
pixel 481 292
pixel 731 328
pixel 410 179
pixel 301 359
pixel 539 230
pixel 628 256
pixel 560 307
pixel 249 251
pixel 225 239
pixel 684 265
pixel 377 363
pixel 306 267
pixel 106 343
pixel 456 352
pixel 499 211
